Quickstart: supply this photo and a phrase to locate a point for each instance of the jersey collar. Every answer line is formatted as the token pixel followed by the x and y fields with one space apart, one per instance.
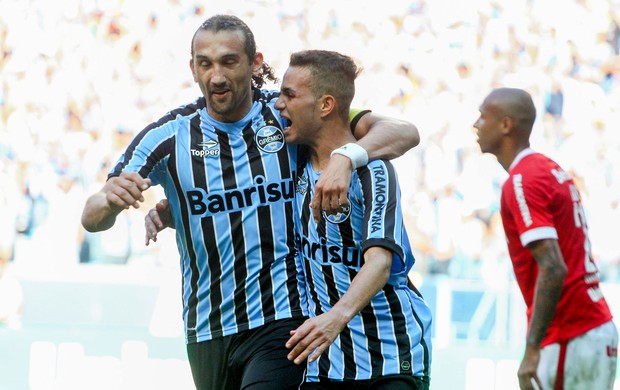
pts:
pixel 524 153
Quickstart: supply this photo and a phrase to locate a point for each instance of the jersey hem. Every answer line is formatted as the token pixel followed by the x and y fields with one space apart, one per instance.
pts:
pixel 231 331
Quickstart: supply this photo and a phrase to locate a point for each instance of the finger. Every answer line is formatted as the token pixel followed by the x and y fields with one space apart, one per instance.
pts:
pixel 303 354
pixel 163 214
pixel 317 352
pixel 118 201
pixel 536 383
pixel 526 382
pixel 162 205
pixel 135 184
pixel 155 219
pixel 316 214
pixel 315 205
pixel 327 203
pixel 149 238
pixel 128 192
pixel 296 336
pixel 335 204
pixel 297 351
pixel 317 199
pixel 135 177
pixel 151 230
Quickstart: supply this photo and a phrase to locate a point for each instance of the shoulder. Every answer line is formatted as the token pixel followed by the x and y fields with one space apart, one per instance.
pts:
pixel 180 113
pixel 537 170
pixel 532 164
pixel 535 179
pixel 187 110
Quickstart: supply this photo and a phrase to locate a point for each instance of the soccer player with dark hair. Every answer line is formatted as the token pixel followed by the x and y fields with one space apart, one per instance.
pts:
pixel 571 339
pixel 367 329
pixel 229 179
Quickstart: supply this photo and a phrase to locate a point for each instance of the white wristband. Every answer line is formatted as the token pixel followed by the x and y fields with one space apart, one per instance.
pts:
pixel 357 154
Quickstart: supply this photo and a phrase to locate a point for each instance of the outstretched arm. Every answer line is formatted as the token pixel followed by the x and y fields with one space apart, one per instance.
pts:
pixel 381 137
pixel 551 275
pixel 319 332
pixel 118 194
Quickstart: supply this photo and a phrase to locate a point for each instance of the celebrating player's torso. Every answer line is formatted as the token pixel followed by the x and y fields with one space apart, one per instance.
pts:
pixel 231 191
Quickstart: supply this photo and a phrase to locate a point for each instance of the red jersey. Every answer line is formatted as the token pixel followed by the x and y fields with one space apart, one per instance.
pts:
pixel 539 201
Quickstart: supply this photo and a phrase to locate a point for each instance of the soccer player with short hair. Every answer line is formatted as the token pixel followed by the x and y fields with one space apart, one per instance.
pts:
pixel 571 341
pixel 367 328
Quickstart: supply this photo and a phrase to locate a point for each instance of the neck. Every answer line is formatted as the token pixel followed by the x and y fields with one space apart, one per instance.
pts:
pixel 330 137
pixel 506 159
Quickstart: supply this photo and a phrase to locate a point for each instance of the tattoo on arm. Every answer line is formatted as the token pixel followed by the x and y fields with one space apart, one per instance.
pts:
pixel 551 275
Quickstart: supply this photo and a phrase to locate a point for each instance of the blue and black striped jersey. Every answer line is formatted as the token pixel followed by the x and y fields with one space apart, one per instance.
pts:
pixel 231 190
pixel 391 335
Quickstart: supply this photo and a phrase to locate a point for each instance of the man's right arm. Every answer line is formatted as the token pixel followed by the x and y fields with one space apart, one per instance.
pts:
pixel 117 194
pixel 552 272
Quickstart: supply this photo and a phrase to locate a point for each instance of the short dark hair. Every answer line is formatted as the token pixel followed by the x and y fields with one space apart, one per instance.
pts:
pixel 232 23
pixel 517 104
pixel 332 73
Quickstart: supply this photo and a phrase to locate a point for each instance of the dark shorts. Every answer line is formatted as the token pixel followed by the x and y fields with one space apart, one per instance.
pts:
pixel 254 359
pixel 389 382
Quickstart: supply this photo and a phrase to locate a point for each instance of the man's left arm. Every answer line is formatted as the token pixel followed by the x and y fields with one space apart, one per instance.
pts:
pixel 382 138
pixel 316 334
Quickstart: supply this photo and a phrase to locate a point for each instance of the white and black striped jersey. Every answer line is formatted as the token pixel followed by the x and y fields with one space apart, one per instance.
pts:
pixel 391 335
pixel 231 189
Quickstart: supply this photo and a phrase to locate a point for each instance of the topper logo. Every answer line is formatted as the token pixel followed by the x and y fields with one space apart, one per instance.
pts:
pixel 208 149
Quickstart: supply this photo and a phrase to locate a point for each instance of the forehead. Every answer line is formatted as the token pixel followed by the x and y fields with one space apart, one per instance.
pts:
pixel 489 105
pixel 214 44
pixel 296 78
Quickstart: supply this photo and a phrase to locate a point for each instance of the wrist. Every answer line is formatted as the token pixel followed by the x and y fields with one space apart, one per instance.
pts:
pixel 532 344
pixel 357 154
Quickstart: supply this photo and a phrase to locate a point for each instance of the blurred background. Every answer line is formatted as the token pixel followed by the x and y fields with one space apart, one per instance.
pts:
pixel 79 78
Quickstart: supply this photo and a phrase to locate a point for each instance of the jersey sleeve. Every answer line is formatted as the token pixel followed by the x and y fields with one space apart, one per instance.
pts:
pixel 355 115
pixel 383 222
pixel 529 198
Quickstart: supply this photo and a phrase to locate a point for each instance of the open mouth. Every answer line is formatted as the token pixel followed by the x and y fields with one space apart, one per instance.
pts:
pixel 287 123
pixel 220 93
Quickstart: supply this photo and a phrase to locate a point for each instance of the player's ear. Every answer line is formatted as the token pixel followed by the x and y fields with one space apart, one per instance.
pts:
pixel 507 124
pixel 191 66
pixel 258 61
pixel 327 105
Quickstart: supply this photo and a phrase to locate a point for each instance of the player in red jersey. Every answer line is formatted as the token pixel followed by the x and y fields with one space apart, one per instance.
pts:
pixel 571 340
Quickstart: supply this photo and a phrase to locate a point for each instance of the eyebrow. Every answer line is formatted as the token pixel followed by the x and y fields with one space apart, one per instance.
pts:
pixel 222 57
pixel 287 90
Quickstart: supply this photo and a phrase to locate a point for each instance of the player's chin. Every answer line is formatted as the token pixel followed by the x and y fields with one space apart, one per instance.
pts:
pixel 290 136
pixel 482 149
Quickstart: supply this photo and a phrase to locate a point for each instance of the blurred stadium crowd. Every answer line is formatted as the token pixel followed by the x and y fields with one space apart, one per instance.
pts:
pixel 79 78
